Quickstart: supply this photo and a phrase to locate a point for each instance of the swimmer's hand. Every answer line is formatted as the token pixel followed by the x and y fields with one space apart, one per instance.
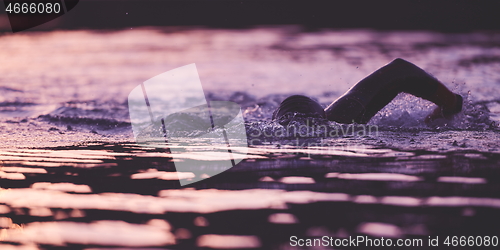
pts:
pixel 440 113
pixel 436 114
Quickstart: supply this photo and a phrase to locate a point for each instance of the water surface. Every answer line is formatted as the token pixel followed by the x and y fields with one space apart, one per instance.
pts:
pixel 72 176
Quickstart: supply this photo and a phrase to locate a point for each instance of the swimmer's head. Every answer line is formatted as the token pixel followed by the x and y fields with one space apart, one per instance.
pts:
pixel 299 104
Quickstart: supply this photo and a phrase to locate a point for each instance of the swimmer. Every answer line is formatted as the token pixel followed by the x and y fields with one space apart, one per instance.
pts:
pixel 362 101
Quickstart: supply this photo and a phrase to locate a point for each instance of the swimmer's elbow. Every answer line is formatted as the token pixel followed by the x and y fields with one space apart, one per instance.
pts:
pixel 400 61
pixel 403 64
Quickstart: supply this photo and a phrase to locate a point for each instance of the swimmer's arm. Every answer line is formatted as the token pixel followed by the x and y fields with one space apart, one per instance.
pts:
pixel 380 87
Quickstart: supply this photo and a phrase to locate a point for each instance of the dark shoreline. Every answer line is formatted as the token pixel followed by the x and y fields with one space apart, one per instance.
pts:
pixel 444 16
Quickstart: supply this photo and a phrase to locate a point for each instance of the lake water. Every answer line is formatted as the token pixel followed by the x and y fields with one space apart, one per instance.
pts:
pixel 72 176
